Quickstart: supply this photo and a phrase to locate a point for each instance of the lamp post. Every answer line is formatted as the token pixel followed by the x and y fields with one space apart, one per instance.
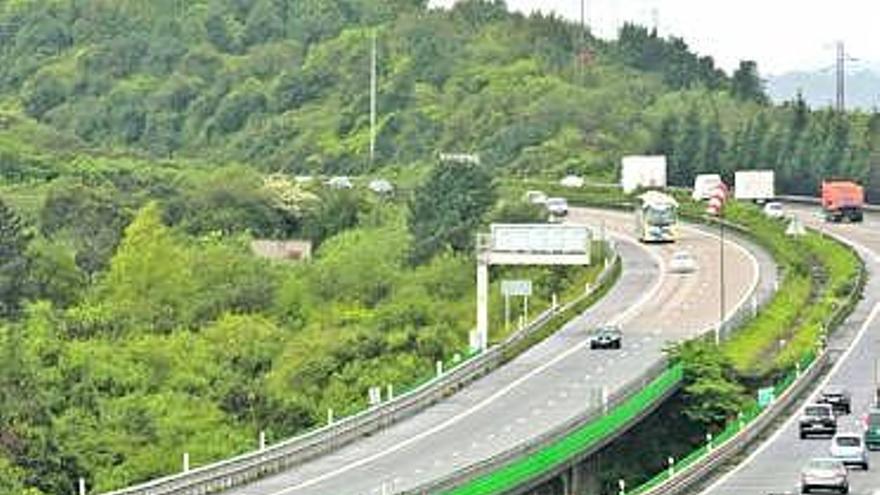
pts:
pixel 717 198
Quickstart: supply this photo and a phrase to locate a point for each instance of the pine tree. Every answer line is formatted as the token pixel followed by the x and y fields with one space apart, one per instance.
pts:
pixel 13 262
pixel 688 157
pixel 715 146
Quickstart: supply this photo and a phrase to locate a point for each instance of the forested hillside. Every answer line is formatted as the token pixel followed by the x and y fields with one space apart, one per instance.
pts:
pixel 145 143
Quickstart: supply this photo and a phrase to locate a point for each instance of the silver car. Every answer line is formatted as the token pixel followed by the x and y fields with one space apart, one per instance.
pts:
pixel 682 262
pixel 849 449
pixel 826 474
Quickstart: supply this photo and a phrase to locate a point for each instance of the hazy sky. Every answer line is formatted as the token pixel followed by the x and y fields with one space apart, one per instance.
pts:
pixel 782 35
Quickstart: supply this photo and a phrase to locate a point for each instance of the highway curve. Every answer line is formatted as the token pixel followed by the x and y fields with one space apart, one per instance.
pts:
pixel 548 385
pixel 775 466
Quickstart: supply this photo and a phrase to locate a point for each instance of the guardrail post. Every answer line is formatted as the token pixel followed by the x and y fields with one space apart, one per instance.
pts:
pixel 82 486
pixel 709 442
pixel 439 368
pixel 555 301
pixel 797 368
pixel 605 399
pixel 329 416
pixel 622 485
pixel 390 391
pixel 671 462
pixel 587 288
pixel 262 440
pixel 740 420
pixel 186 462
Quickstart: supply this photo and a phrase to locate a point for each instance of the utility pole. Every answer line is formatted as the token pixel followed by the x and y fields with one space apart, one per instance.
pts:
pixel 373 102
pixel 841 78
pixel 655 19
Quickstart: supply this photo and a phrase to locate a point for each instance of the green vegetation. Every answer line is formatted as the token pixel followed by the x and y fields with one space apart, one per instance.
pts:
pixel 145 143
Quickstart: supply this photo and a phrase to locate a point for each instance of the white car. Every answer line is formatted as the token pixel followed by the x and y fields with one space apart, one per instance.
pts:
pixel 774 210
pixel 849 449
pixel 535 197
pixel 340 182
pixel 682 262
pixel 572 181
pixel 824 474
pixel 557 207
pixel 381 186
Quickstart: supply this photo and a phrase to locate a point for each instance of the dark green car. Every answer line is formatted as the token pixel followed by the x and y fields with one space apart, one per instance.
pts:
pixel 872 429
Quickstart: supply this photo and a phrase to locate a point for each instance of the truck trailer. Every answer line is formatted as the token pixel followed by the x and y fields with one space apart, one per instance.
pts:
pixel 842 199
pixel 754 185
pixel 642 172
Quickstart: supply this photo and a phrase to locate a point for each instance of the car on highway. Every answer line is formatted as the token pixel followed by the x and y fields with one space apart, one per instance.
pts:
pixel 838 398
pixel 849 449
pixel 607 337
pixel 558 207
pixel 872 429
pixel 381 186
pixel 824 474
pixel 572 181
pixel 817 419
pixel 682 262
pixel 774 209
pixel 339 182
pixel 535 197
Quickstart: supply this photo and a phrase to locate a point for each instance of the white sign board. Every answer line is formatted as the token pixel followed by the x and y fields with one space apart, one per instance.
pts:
pixel 642 171
pixel 516 287
pixel 540 238
pixel 754 185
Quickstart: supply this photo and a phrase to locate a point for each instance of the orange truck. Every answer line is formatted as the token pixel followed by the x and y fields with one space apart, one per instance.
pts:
pixel 842 199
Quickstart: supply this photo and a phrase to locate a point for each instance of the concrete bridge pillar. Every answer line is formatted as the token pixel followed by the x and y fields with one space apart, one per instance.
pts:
pixel 585 479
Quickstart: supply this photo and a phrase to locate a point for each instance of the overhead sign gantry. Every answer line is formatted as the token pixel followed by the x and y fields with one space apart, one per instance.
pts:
pixel 524 244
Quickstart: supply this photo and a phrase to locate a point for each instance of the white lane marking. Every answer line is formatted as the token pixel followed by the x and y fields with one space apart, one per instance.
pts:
pixel 791 419
pixel 618 319
pixel 756 271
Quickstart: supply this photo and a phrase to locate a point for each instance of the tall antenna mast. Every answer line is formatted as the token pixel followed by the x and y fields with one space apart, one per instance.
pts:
pixel 841 78
pixel 373 102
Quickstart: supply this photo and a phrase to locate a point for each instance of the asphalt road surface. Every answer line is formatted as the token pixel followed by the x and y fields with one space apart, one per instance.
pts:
pixel 551 383
pixel 775 466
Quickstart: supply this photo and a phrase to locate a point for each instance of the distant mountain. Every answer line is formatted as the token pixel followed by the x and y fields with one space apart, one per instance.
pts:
pixel 818 88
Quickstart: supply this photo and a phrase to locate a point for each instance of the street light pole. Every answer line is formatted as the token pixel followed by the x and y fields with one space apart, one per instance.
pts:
pixel 721 289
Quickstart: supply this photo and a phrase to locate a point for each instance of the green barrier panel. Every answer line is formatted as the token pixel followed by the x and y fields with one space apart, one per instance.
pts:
pixel 732 429
pixel 563 450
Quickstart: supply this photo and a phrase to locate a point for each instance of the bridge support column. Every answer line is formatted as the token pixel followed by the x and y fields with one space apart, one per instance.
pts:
pixel 585 478
pixel 482 303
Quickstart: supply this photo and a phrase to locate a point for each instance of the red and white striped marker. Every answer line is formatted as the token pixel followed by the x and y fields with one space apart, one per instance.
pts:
pixel 717 198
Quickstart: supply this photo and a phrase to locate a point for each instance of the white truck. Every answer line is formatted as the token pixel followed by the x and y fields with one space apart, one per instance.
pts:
pixel 754 185
pixel 642 172
pixel 704 184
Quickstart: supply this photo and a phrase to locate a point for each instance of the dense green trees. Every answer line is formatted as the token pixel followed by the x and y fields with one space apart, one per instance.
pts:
pixel 13 260
pixel 447 208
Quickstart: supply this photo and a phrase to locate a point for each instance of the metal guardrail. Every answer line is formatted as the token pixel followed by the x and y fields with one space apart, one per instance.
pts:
pixel 742 314
pixel 492 464
pixel 683 481
pixel 251 466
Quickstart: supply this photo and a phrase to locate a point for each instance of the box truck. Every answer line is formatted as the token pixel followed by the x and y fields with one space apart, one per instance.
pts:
pixel 642 172
pixel 842 199
pixel 754 185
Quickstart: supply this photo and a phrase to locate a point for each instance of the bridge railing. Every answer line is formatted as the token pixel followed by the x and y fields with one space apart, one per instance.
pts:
pixel 282 456
pixel 700 464
pixel 488 476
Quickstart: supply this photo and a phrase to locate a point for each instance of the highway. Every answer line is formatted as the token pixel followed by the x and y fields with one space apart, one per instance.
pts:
pixel 774 467
pixel 551 383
